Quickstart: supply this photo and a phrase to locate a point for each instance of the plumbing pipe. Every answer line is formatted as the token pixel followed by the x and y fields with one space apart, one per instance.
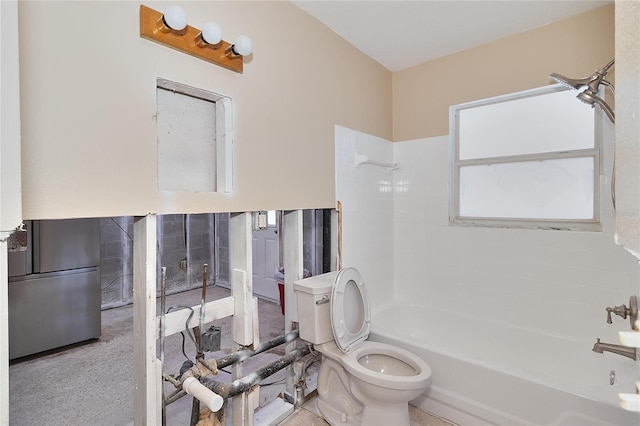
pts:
pixel 205 270
pixel 339 212
pixel 179 393
pixel 227 390
pixel 163 301
pixel 195 406
pixel 193 387
pixel 232 359
pixel 239 356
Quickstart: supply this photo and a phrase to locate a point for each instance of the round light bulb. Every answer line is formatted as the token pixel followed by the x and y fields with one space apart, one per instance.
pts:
pixel 243 46
pixel 211 33
pixel 175 17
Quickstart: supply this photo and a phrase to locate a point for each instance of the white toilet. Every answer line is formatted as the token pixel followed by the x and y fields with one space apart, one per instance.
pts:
pixel 359 382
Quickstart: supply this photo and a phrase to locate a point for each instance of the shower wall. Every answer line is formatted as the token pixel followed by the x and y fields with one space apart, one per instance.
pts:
pixel 556 282
pixel 366 194
pixel 396 230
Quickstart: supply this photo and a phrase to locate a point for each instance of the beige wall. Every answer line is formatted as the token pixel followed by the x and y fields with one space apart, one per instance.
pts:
pixel 88 104
pixel 573 47
pixel 628 125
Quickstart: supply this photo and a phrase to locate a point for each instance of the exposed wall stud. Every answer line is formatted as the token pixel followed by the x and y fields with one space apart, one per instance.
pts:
pixel 293 270
pixel 147 370
pixel 241 262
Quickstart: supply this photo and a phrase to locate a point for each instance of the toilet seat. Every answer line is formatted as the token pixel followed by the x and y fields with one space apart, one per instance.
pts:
pixel 350 310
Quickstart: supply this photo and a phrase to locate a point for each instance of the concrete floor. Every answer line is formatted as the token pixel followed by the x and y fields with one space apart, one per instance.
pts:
pixel 92 383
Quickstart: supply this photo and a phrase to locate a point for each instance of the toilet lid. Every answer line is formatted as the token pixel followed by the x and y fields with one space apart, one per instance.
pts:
pixel 350 311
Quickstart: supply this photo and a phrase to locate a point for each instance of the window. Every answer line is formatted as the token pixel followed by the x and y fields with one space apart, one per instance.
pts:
pixel 194 139
pixel 529 159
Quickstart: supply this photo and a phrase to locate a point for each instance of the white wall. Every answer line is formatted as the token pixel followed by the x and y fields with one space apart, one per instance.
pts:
pixel 10 194
pixel 366 194
pixel 555 282
pixel 10 182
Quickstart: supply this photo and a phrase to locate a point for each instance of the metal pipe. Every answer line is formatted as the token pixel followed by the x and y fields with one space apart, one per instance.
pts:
pixel 236 357
pixel 339 212
pixel 179 393
pixel 195 406
pixel 163 302
pixel 228 390
pixel 205 268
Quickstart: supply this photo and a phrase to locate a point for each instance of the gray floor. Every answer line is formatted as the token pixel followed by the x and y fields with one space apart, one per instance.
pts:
pixel 92 383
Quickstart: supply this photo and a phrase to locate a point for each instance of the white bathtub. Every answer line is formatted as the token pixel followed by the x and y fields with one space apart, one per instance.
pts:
pixel 490 373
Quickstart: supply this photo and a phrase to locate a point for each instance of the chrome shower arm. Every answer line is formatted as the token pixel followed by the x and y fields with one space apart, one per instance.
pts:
pixel 592 85
pixel 604 69
pixel 590 98
pixel 610 86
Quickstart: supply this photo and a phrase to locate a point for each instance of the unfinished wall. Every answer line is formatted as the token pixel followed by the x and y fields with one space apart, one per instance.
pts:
pixel 88 92
pixel 573 47
pixel 193 239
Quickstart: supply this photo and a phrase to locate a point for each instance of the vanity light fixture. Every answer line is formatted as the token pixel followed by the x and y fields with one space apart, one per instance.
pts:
pixel 170 29
pixel 211 35
pixel 174 18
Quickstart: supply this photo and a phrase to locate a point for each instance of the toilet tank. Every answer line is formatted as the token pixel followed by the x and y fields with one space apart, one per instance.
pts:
pixel 314 314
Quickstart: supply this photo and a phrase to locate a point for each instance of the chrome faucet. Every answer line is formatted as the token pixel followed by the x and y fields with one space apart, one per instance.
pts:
pixel 624 312
pixel 616 349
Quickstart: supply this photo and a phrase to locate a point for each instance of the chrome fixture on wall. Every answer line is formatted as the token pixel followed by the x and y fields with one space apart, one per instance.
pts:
pixel 616 349
pixel 624 312
pixel 591 85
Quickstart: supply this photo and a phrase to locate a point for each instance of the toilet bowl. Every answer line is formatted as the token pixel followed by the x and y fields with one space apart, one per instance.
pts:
pixel 359 382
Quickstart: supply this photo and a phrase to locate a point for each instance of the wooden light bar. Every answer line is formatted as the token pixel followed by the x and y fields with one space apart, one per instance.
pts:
pixel 152 28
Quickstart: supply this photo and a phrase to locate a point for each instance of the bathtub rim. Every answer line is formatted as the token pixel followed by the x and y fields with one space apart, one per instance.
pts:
pixel 607 395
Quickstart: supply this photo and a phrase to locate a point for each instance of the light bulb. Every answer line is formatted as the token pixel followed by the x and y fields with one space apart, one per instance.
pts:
pixel 211 33
pixel 175 17
pixel 243 46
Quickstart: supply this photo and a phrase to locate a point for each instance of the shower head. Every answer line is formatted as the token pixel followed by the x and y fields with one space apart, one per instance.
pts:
pixel 590 98
pixel 591 85
pixel 571 83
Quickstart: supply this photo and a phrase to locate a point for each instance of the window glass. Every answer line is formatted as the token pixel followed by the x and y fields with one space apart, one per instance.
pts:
pixel 526 159
pixel 546 123
pixel 549 189
pixel 271 218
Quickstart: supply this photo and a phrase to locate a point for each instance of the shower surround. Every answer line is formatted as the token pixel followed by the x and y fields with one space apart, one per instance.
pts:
pixel 554 284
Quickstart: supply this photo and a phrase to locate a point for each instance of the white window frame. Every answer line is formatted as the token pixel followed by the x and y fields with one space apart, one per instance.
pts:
pixel 224 129
pixel 592 224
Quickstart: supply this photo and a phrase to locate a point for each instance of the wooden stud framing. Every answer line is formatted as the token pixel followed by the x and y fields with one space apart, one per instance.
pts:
pixel 175 321
pixel 293 267
pixel 241 260
pixel 147 370
pixel 242 305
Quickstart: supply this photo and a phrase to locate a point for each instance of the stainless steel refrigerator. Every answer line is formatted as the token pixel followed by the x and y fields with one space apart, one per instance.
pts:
pixel 54 286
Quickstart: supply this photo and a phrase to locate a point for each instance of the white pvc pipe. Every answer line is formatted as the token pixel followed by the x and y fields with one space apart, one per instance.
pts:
pixel 193 387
